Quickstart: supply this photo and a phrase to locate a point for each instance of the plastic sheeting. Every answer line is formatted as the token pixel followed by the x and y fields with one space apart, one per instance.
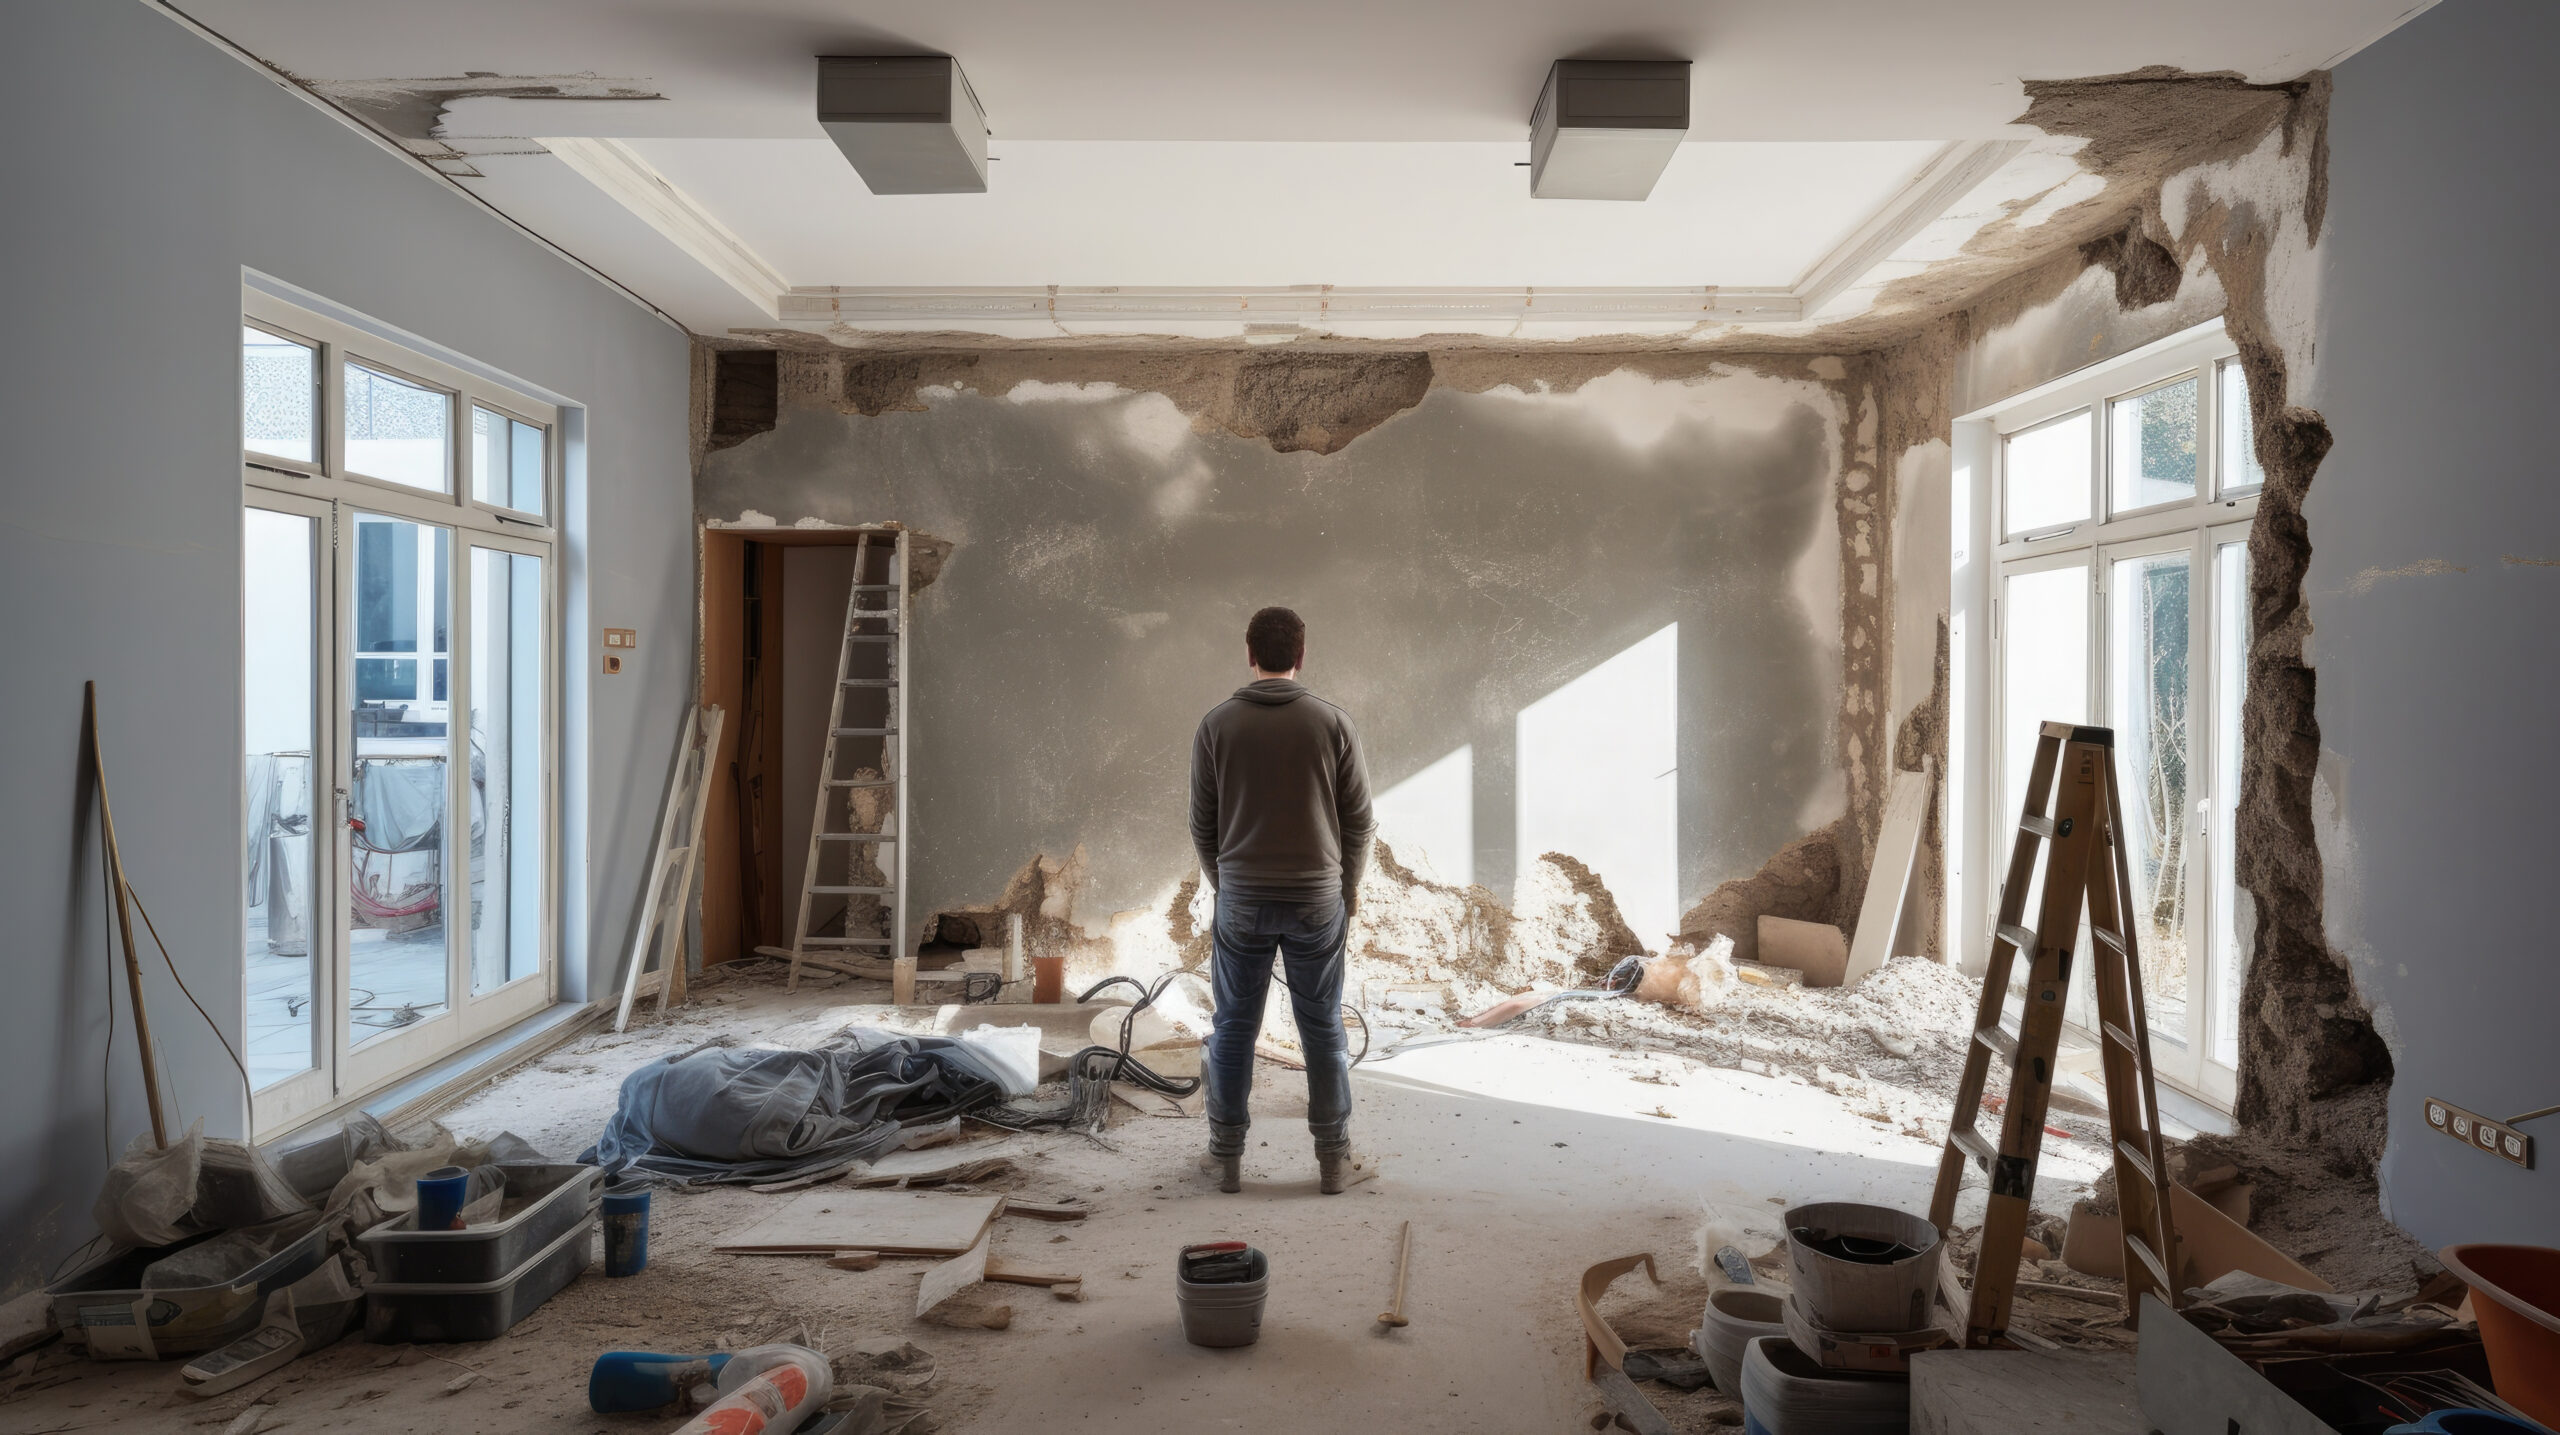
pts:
pixel 721 1115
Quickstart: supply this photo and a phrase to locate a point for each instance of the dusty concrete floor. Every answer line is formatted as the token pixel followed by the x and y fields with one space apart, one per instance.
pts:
pixel 1520 1161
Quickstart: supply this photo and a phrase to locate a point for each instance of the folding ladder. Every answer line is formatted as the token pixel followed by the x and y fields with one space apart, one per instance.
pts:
pixel 871 861
pixel 2070 818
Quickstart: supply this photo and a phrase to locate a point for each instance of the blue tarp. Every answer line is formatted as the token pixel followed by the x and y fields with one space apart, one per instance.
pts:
pixel 720 1114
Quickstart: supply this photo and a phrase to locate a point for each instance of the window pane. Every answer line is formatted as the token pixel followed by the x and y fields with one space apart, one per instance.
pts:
pixel 279 396
pixel 2230 685
pixel 2044 677
pixel 506 461
pixel 280 655
pixel 2048 475
pixel 2147 653
pixel 2153 460
pixel 2240 471
pixel 506 760
pixel 396 430
pixel 396 919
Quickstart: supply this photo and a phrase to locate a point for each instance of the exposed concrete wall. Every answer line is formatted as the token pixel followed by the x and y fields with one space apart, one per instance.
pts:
pixel 1460 551
pixel 2433 579
pixel 165 168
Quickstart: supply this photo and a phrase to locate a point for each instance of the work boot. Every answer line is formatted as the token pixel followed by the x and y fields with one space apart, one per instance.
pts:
pixel 1340 1168
pixel 1225 1161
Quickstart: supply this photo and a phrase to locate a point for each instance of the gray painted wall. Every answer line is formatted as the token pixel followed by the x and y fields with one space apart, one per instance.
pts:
pixel 1466 558
pixel 2435 528
pixel 152 170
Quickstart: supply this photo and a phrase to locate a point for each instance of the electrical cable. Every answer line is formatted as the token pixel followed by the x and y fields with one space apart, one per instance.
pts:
pixel 248 1088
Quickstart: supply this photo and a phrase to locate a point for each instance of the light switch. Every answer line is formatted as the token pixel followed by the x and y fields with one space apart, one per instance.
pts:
pixel 622 637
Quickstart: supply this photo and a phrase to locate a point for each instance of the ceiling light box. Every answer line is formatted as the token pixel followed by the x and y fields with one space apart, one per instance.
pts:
pixel 909 123
pixel 1605 129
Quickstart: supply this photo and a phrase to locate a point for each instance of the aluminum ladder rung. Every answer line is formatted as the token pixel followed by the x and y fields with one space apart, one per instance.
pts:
pixel 1970 1142
pixel 856 837
pixel 2018 937
pixel 866 682
pixel 2116 1034
pixel 2114 942
pixel 862 731
pixel 2037 823
pixel 870 637
pixel 856 891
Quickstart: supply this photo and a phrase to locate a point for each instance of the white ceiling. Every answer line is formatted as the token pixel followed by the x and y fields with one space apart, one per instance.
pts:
pixel 1172 143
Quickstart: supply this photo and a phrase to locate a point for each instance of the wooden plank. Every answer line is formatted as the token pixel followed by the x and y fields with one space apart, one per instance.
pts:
pixel 1047 1211
pixel 1016 1276
pixel 650 899
pixel 824 1222
pixel 1621 1396
pixel 672 963
pixel 952 1276
pixel 1889 880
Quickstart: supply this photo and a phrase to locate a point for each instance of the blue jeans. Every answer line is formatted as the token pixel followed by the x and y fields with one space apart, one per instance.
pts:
pixel 1308 938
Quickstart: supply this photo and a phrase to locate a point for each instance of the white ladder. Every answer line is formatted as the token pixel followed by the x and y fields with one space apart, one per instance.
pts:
pixel 875 859
pixel 670 891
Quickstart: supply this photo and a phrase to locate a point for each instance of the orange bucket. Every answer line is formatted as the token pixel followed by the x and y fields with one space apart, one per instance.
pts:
pixel 2515 1291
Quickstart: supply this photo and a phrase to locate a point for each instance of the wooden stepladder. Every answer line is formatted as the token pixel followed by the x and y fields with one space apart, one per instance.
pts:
pixel 671 867
pixel 2070 820
pixel 861 811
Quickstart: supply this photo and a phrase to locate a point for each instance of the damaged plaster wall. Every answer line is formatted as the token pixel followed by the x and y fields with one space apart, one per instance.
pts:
pixel 2434 573
pixel 1466 539
pixel 2233 229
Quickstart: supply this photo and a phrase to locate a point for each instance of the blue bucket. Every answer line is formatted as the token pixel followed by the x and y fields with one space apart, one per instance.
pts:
pixel 626 1232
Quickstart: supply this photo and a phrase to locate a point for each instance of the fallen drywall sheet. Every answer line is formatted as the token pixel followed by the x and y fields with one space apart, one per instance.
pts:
pixel 913 1223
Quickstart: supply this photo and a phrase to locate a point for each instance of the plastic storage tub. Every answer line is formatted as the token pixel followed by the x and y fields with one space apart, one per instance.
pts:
pixel 1735 1317
pixel 1785 1393
pixel 563 1195
pixel 1222 1316
pixel 477 1310
pixel 105 1303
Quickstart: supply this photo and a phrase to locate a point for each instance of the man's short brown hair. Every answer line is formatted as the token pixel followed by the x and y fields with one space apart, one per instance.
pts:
pixel 1277 639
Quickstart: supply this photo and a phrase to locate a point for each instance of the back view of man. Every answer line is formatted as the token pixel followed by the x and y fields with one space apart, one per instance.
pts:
pixel 1280 815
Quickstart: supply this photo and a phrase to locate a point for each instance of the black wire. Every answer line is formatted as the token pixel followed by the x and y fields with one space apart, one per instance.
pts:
pixel 248 1088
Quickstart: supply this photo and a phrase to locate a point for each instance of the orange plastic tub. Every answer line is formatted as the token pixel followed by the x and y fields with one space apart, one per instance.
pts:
pixel 2515 1290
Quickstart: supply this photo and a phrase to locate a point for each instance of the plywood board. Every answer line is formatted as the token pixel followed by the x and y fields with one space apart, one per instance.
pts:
pixel 1817 949
pixel 828 1220
pixel 952 1276
pixel 1889 880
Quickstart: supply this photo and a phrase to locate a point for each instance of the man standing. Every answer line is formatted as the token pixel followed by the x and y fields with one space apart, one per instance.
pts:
pixel 1280 815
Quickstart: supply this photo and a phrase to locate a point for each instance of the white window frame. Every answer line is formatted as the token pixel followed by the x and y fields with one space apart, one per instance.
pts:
pixel 2196 525
pixel 347 1071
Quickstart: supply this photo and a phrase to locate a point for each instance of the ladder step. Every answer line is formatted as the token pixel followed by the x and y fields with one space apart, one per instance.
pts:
pixel 1970 1142
pixel 875 587
pixel 869 638
pixel 855 837
pixel 2040 826
pixel 2140 1163
pixel 866 682
pixel 2113 941
pixel 2017 936
pixel 844 941
pixel 2117 1034
pixel 863 782
pixel 2150 1260
pixel 864 731
pixel 1997 1037
pixel 857 891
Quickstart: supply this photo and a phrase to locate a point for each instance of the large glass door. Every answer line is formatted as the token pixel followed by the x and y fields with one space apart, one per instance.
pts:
pixel 2152 691
pixel 285 776
pixel 400 703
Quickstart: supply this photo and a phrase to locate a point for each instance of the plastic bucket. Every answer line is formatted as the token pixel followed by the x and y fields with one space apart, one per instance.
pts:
pixel 1225 1315
pixel 626 1232
pixel 1737 1316
pixel 1785 1393
pixel 2515 1291
pixel 1867 1290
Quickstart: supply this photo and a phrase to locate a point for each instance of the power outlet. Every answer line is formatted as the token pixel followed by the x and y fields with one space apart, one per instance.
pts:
pixel 2480 1133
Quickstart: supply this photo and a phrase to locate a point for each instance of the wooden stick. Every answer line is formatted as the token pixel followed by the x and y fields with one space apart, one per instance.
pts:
pixel 657 876
pixel 124 922
pixel 1393 1316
